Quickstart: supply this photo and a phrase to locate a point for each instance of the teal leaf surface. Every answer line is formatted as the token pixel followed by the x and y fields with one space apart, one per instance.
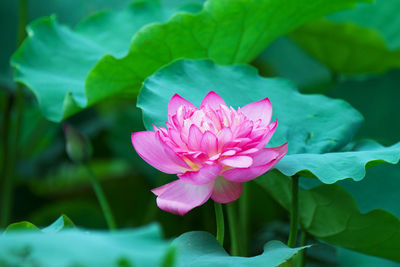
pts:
pixel 55 60
pixel 309 123
pixel 138 247
pixel 335 166
pixel 201 249
pixel 313 125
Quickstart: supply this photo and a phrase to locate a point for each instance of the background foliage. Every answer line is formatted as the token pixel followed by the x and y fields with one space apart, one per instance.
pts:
pixel 332 76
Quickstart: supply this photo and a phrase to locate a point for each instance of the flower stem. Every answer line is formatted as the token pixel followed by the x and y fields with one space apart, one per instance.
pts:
pixel 303 242
pixel 219 216
pixel 101 198
pixel 244 218
pixel 10 156
pixel 232 218
pixel 294 214
pixel 5 186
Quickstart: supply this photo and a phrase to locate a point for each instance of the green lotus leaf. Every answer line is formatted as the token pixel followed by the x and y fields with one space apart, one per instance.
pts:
pixel 335 166
pixel 309 123
pixel 351 258
pixel 21 226
pixel 54 60
pixel 201 249
pixel 62 223
pixel 139 247
pixel 330 213
pixel 69 70
pixel 380 181
pixel 313 125
pixel 355 41
pixel 285 59
pixel 372 98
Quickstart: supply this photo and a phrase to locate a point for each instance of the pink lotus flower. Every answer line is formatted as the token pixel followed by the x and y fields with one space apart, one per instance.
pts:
pixel 213 150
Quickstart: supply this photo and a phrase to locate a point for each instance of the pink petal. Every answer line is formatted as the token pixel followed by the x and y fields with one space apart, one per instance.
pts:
pixel 205 175
pixel 269 159
pixel 179 197
pixel 263 141
pixel 265 155
pixel 176 137
pixel 157 153
pixel 238 161
pixel 177 101
pixel 249 151
pixel 259 110
pixel 224 137
pixel 226 191
pixel 213 100
pixel 209 143
pixel 195 136
pixel 271 131
pixel 229 153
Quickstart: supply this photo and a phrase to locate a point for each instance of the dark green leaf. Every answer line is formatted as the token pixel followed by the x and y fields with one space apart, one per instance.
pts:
pixel 330 213
pixel 351 258
pixel 376 98
pixel 379 189
pixel 201 249
pixel 283 58
pixel 60 224
pixel 21 226
pixel 68 176
pixel 365 39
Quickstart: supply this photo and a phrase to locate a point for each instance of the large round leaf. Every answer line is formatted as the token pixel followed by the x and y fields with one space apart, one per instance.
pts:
pixel 201 249
pixel 68 12
pixel 313 125
pixel 139 247
pixel 309 123
pixel 56 62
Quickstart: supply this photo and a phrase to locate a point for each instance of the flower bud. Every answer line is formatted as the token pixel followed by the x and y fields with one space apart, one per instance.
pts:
pixel 77 146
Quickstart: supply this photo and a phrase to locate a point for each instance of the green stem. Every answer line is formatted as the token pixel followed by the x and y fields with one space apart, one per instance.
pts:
pixel 294 214
pixel 244 218
pixel 19 103
pixel 6 183
pixel 232 218
pixel 219 216
pixel 303 242
pixel 10 160
pixel 101 198
pixel 22 20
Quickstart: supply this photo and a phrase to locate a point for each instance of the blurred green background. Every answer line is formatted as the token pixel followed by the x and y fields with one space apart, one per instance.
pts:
pixel 48 184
